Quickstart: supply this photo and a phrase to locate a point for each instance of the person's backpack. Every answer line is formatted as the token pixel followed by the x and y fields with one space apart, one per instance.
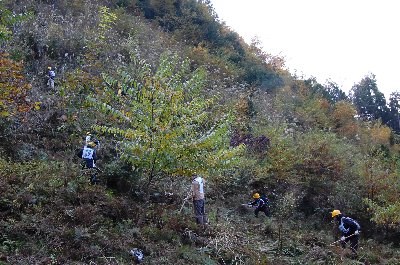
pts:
pixel 348 221
pixel 265 199
pixel 351 220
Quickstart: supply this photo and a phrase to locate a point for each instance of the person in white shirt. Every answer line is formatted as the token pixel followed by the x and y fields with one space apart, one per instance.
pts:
pixel 50 75
pixel 199 200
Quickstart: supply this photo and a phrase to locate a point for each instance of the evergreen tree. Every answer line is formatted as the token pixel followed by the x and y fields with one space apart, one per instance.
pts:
pixel 329 91
pixel 369 101
pixel 394 111
pixel 333 93
pixel 8 19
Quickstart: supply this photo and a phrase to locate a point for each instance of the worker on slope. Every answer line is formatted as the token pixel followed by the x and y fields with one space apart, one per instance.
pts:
pixel 198 197
pixel 89 156
pixel 261 203
pixel 50 77
pixel 350 230
pixel 90 138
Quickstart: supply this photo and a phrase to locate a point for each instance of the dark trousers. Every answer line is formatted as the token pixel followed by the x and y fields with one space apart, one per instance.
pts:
pixel 263 209
pixel 89 163
pixel 353 243
pixel 199 212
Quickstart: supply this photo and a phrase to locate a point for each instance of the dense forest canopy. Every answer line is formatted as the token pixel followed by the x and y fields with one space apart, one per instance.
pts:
pixel 170 91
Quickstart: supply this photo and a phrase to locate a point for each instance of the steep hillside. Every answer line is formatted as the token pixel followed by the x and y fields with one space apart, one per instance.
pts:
pixel 169 91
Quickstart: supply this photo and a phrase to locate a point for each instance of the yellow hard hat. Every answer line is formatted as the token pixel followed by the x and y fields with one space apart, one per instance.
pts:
pixel 49 67
pixel 335 213
pixel 88 133
pixel 256 196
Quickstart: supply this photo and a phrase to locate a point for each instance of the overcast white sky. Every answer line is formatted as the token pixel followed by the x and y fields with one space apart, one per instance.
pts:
pixel 343 40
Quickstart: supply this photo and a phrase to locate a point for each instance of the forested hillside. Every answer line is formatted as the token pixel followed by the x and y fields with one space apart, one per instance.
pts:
pixel 170 92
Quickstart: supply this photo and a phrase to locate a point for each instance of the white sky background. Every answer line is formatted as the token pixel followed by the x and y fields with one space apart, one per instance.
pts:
pixel 341 40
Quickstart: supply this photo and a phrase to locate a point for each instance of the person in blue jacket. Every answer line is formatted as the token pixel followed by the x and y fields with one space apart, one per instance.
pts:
pixel 261 204
pixel 350 230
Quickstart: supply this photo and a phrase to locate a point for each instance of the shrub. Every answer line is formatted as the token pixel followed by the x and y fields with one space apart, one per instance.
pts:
pixel 193 256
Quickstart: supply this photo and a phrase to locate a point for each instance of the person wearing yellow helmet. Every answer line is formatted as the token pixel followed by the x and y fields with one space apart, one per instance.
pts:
pixel 335 213
pixel 90 138
pixel 261 203
pixel 349 228
pixel 89 156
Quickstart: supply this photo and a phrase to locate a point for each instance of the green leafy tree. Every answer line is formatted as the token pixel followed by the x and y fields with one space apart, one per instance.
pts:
pixel 385 205
pixel 7 20
pixel 164 124
pixel 315 112
pixel 107 19
pixel 385 214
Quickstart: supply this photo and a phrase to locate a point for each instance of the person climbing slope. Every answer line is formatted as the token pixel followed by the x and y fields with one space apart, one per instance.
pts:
pixel 51 76
pixel 90 138
pixel 350 230
pixel 89 156
pixel 199 200
pixel 261 203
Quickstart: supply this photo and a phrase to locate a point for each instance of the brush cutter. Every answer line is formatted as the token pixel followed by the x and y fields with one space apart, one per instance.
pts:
pixel 340 240
pixel 185 200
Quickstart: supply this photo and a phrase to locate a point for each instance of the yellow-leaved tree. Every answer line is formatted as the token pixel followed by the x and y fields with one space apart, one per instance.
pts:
pixel 13 87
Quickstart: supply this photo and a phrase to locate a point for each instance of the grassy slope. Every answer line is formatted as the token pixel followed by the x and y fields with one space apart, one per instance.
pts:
pixel 56 217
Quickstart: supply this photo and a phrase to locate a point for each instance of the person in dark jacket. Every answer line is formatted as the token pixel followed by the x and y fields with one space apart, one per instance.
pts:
pixel 261 204
pixel 350 230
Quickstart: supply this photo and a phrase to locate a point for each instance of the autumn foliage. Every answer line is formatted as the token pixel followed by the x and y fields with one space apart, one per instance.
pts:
pixel 13 87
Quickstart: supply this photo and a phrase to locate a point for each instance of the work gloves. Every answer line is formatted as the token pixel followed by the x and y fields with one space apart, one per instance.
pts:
pixel 356 233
